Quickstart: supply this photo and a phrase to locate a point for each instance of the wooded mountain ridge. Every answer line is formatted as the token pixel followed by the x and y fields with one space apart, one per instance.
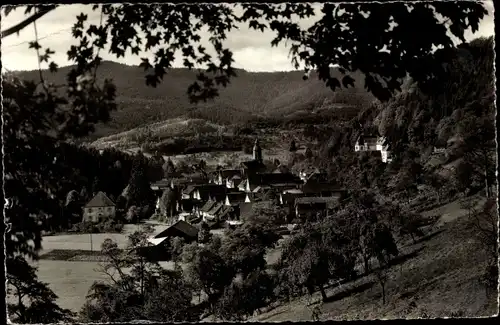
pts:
pixel 248 96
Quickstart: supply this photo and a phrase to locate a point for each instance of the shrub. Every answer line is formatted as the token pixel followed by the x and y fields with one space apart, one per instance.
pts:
pixel 105 226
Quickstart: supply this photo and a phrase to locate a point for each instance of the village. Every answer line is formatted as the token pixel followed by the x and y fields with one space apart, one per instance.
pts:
pixel 226 198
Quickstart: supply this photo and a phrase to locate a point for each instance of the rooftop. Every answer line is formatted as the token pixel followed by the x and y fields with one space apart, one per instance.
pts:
pixel 100 200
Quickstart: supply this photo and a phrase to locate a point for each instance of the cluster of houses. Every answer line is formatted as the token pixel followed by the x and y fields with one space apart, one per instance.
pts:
pixel 374 143
pixel 230 196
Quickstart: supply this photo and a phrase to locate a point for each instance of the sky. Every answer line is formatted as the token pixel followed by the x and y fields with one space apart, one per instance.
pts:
pixel 251 49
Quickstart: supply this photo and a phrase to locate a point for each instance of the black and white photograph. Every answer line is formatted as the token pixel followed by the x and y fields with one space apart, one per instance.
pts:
pixel 249 162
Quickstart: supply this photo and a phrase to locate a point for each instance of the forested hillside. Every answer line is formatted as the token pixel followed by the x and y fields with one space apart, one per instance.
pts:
pixel 458 114
pixel 250 95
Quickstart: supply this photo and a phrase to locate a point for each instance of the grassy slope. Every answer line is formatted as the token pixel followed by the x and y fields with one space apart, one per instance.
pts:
pixel 249 95
pixel 443 278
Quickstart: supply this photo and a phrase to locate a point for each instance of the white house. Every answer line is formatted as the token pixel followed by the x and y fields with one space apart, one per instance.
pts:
pixel 374 143
pixel 386 155
pixel 366 143
pixel 380 143
pixel 100 207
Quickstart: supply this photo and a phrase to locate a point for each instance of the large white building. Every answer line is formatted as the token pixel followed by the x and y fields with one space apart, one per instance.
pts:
pixel 374 143
pixel 99 208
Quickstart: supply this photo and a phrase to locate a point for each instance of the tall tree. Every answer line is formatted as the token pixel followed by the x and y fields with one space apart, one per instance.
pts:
pixel 244 249
pixel 207 270
pixel 25 286
pixel 168 169
pixel 139 193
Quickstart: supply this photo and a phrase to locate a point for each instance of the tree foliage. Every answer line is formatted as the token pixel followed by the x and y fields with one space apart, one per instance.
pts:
pixel 34 301
pixel 136 288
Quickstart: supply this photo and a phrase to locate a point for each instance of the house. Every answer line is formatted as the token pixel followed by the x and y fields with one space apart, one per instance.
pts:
pixel 159 249
pixel 314 205
pixel 203 211
pixel 179 229
pixel 276 180
pixel 159 186
pixel 374 143
pixel 206 191
pixel 234 182
pixel 213 212
pixel 368 143
pixel 288 198
pixel 386 155
pixel 381 143
pixel 188 192
pixel 217 214
pixel 188 179
pixel 98 208
pixel 235 198
pixel 229 177
pixel 187 205
pixel 287 201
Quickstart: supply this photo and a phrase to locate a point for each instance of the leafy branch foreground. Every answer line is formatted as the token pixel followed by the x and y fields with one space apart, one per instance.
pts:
pixel 380 40
pixel 39 117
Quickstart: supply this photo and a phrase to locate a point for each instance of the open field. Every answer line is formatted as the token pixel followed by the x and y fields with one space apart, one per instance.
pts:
pixel 82 241
pixel 161 130
pixel 71 279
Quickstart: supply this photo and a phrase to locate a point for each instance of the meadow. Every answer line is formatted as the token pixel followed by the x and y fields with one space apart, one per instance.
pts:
pixel 71 280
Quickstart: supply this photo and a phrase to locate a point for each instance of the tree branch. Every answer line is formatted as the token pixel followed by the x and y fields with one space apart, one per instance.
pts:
pixel 17 28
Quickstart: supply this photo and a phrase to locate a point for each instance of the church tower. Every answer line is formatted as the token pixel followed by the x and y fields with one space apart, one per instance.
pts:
pixel 257 151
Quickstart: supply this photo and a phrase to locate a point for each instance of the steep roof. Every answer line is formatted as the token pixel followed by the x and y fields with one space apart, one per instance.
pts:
pixel 100 200
pixel 253 165
pixel 212 190
pixel 236 197
pixel 230 173
pixel 225 211
pixel 215 209
pixel 208 206
pixel 189 189
pixel 268 179
pixel 181 226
